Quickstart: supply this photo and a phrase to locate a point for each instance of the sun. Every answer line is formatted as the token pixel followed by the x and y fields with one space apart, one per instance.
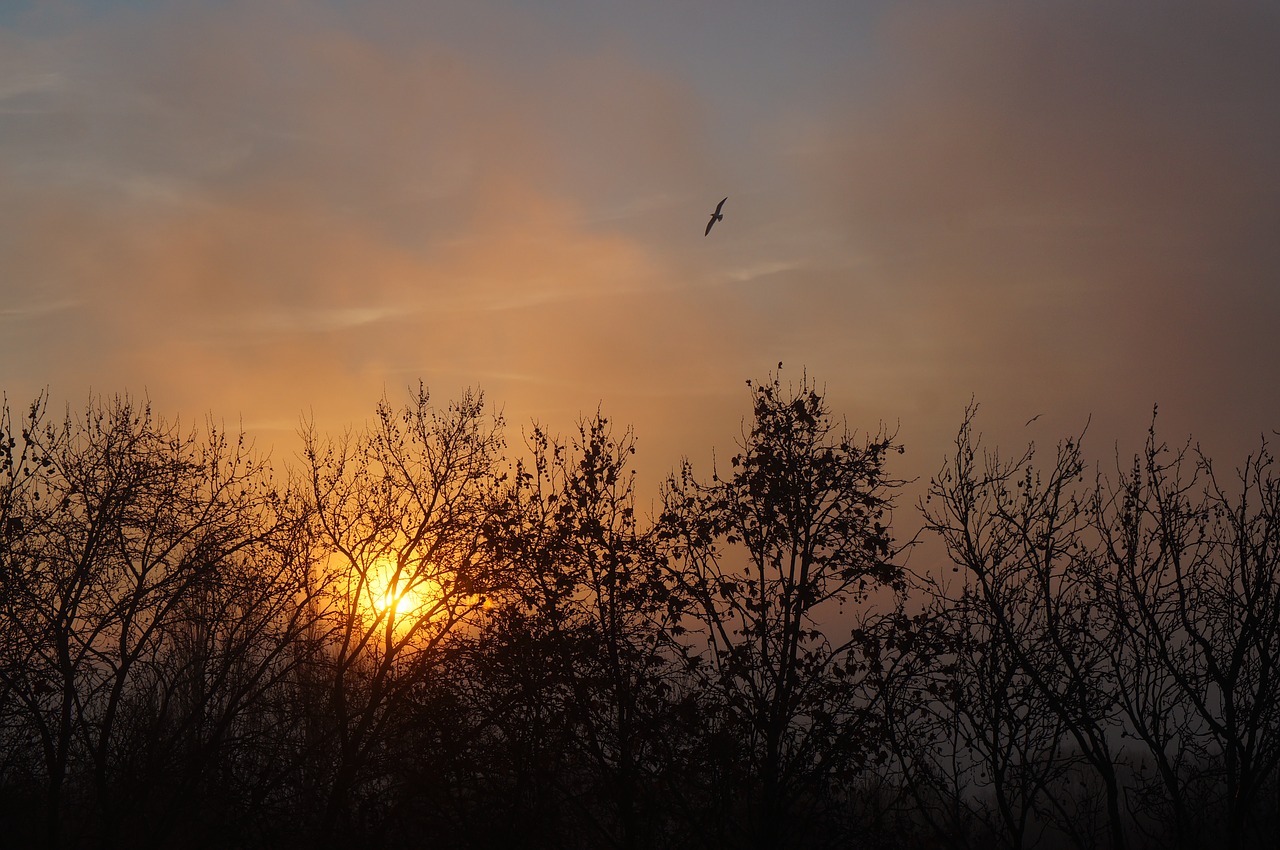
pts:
pixel 398 594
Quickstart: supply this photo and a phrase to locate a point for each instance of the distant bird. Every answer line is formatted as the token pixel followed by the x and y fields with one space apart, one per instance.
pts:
pixel 1032 419
pixel 715 216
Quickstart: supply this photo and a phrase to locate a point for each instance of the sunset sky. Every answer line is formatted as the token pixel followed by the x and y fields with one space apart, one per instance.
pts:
pixel 275 210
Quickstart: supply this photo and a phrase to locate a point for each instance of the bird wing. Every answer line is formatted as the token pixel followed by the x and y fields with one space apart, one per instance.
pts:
pixel 710 224
pixel 720 205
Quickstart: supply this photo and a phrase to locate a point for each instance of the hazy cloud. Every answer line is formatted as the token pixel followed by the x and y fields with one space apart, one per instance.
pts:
pixel 270 210
pixel 1075 203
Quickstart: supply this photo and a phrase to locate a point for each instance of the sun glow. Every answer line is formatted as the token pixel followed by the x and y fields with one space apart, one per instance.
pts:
pixel 399 594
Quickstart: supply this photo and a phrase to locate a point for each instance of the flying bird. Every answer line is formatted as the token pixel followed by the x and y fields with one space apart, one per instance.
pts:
pixel 715 216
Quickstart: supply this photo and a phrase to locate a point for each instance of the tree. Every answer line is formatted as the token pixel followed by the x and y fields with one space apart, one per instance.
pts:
pixel 972 741
pixel 147 585
pixel 1021 536
pixel 575 656
pixel 399 511
pixel 1188 577
pixel 798 530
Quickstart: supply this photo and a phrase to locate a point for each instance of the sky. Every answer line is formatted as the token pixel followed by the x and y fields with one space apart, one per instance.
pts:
pixel 272 212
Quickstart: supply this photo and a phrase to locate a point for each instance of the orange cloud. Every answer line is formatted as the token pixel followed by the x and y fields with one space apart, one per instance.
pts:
pixel 291 219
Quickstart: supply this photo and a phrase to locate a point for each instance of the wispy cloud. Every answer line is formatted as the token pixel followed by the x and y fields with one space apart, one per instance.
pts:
pixel 39 309
pixel 761 270
pixel 316 320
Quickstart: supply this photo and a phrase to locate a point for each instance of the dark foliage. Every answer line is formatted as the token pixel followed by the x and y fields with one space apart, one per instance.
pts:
pixel 415 639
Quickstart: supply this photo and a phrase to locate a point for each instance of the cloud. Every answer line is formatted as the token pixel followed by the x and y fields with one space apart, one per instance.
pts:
pixel 267 214
pixel 1067 207
pixel 1072 202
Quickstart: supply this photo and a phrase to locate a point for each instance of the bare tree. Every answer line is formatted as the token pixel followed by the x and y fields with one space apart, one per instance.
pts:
pixel 1189 577
pixel 125 522
pixel 400 511
pixel 972 739
pixel 24 756
pixel 1021 537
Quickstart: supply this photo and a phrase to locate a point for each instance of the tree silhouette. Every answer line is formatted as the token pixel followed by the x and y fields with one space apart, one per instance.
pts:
pixel 416 638
pixel 1188 575
pixel 1020 534
pixel 590 609
pixel 796 531
pixel 147 599
pixel 399 513
pixel 1143 617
